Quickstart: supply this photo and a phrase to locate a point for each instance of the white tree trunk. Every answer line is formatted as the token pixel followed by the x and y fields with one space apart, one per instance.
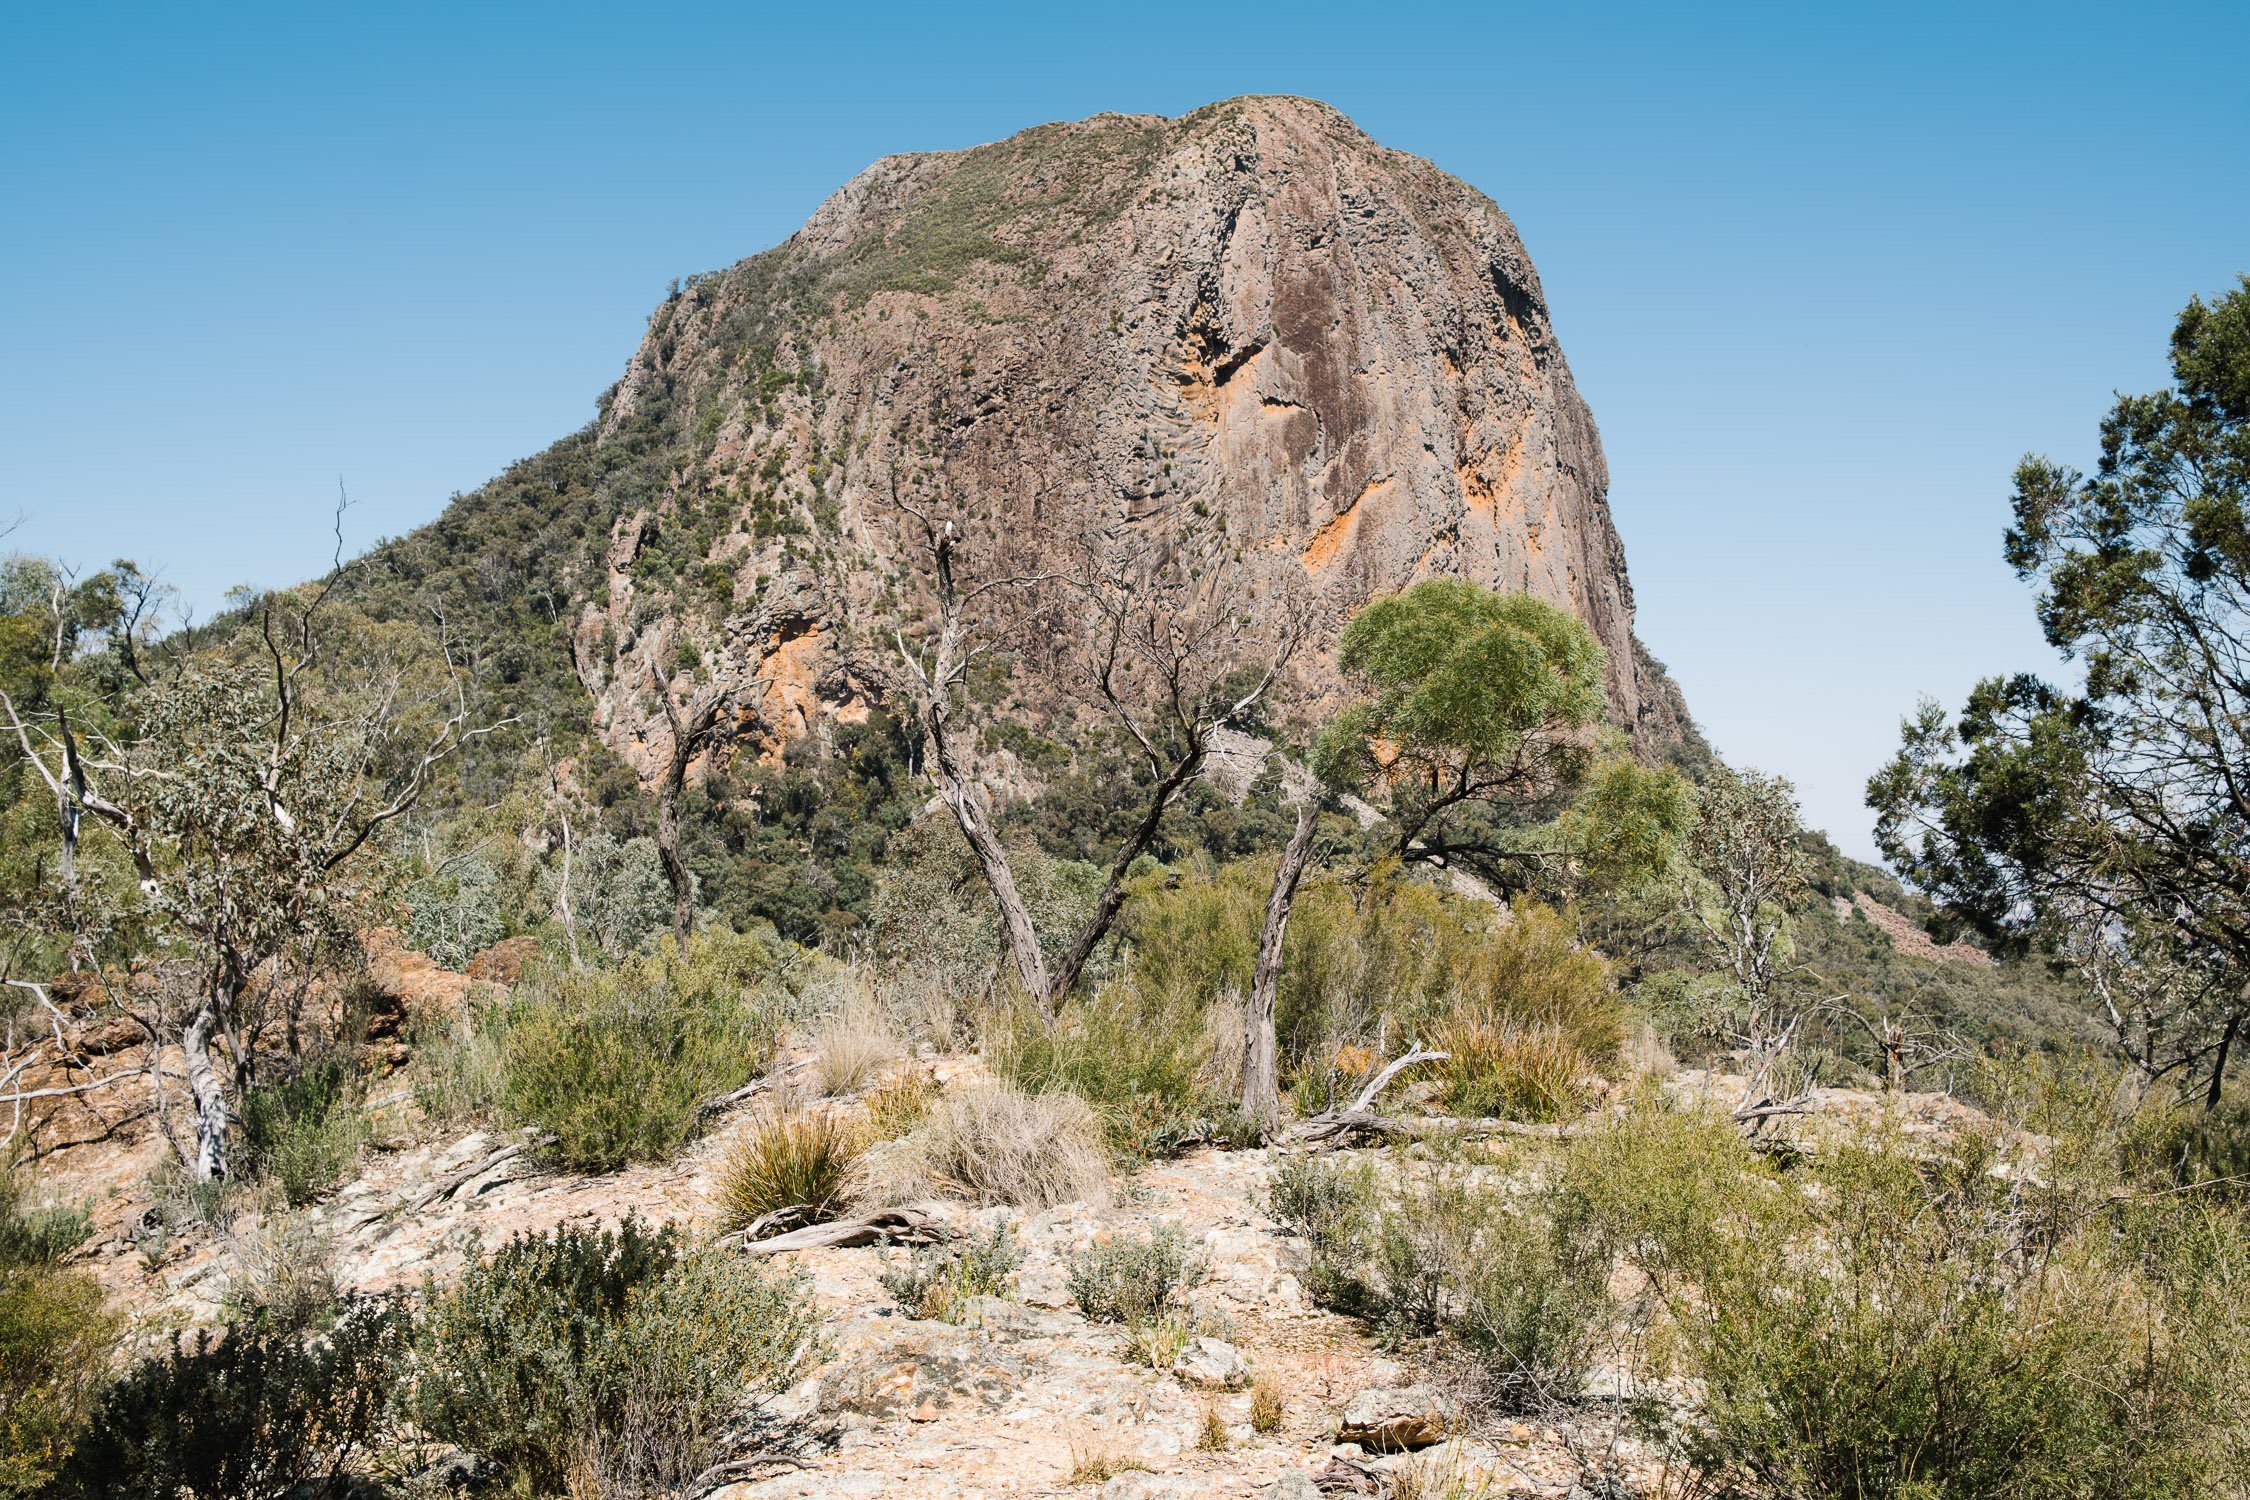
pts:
pixel 1261 1060
pixel 210 1098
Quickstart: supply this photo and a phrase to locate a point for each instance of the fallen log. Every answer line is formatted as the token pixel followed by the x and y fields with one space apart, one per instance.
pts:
pixel 452 1181
pixel 906 1226
pixel 1335 1127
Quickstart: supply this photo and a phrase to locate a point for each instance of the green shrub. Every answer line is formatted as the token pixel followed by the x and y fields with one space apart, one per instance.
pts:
pixel 624 1352
pixel 794 1160
pixel 305 1130
pixel 2182 1145
pixel 249 1413
pixel 1508 1276
pixel 1137 1058
pixel 55 1336
pixel 940 1281
pixel 37 1234
pixel 1127 1280
pixel 1512 1278
pixel 1333 1207
pixel 1910 1324
pixel 1401 955
pixel 616 1065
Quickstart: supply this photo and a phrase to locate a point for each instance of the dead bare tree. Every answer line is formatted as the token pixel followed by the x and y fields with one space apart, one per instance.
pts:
pixel 689 731
pixel 1747 871
pixel 1261 1049
pixel 1168 654
pixel 1907 1042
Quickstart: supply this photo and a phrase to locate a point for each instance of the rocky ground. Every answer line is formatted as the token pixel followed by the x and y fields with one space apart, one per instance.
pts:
pixel 1021 1395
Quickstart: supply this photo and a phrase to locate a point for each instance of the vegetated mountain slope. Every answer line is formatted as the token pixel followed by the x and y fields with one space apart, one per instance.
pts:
pixel 1328 361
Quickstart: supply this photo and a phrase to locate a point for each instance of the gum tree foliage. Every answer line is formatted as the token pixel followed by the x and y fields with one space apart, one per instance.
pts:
pixel 2111 822
pixel 1478 735
pixel 242 784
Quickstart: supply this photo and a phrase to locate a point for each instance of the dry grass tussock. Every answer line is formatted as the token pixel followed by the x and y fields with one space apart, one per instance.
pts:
pixel 994 1143
pixel 784 1159
pixel 852 1044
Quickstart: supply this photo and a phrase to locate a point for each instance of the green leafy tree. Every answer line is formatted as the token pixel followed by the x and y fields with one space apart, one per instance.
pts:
pixel 1479 736
pixel 243 786
pixel 2112 821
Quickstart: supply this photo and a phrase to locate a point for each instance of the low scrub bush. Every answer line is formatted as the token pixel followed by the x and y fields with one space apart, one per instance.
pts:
pixel 613 1361
pixel 1510 1278
pixel 1137 1057
pixel 252 1412
pixel 801 1159
pixel 2180 1145
pixel 616 1065
pixel 1134 1280
pixel 1332 1207
pixel 1918 1323
pixel 55 1337
pixel 305 1130
pixel 940 1281
pixel 993 1143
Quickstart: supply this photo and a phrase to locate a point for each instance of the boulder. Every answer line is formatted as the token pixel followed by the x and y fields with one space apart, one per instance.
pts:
pixel 1213 1364
pixel 1394 1419
pixel 503 963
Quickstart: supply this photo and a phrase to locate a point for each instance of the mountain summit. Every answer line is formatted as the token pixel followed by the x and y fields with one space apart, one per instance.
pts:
pixel 1251 317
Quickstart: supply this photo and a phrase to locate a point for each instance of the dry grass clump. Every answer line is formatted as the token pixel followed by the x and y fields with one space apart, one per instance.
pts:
pixel 1211 1436
pixel 898 1105
pixel 995 1143
pixel 1267 1406
pixel 1092 1463
pixel 802 1159
pixel 851 1045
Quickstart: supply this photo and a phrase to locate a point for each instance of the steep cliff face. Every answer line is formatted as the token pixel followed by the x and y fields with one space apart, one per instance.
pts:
pixel 1251 321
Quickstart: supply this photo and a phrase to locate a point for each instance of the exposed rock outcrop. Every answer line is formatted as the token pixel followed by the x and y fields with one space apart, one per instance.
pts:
pixel 1329 361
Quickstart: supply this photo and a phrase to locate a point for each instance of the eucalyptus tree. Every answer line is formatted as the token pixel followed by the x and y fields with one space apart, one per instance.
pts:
pixel 1475 736
pixel 2110 820
pixel 1157 642
pixel 242 786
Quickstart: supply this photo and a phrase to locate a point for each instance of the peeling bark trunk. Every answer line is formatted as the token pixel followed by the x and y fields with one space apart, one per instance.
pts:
pixel 687 735
pixel 1261 1062
pixel 676 873
pixel 1015 916
pixel 210 1098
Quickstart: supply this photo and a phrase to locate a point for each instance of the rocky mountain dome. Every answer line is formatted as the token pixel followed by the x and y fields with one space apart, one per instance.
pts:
pixel 1252 320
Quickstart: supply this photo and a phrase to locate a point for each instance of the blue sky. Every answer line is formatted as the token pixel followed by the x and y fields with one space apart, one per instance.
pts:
pixel 1824 273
